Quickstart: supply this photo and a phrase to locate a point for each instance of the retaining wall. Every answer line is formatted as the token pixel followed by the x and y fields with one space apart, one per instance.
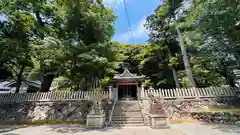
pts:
pixel 182 109
pixel 52 111
pixel 217 117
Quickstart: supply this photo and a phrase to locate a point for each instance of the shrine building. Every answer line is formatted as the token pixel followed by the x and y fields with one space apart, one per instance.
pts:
pixel 126 86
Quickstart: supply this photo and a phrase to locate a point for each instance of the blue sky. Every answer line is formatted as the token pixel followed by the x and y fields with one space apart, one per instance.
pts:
pixel 138 10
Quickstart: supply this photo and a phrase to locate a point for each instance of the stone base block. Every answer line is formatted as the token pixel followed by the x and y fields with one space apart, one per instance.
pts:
pixel 95 120
pixel 158 121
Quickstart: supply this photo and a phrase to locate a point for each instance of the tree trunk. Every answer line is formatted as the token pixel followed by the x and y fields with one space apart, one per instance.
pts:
pixel 175 77
pixel 19 79
pixel 185 61
pixel 46 83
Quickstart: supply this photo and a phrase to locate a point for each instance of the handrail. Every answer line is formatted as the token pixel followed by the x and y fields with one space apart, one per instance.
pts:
pixel 142 113
pixel 113 106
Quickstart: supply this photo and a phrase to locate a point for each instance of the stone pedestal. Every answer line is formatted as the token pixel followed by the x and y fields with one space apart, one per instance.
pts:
pixel 96 118
pixel 95 121
pixel 157 121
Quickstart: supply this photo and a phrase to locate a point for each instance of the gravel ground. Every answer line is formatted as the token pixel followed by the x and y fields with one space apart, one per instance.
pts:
pixel 176 129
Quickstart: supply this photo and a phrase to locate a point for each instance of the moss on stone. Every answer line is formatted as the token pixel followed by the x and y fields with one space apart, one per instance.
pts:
pixel 233 110
pixel 179 121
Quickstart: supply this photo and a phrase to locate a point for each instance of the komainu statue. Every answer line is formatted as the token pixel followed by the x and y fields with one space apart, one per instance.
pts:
pixel 156 106
pixel 157 115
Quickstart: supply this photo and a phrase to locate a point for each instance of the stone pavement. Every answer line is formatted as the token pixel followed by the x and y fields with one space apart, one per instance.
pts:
pixel 207 129
pixel 176 129
pixel 76 130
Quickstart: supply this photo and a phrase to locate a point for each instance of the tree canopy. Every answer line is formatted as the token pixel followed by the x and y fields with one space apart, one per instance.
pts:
pixel 192 43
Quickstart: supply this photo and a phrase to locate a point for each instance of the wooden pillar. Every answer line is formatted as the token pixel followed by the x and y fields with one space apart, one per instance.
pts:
pixel 115 91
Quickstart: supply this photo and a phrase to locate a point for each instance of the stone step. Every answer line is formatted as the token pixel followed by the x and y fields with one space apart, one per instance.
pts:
pixel 127 122
pixel 120 118
pixel 126 115
pixel 132 114
pixel 127 125
pixel 127 101
pixel 128 109
pixel 128 104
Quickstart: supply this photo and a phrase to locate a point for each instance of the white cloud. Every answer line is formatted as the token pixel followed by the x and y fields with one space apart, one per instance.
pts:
pixel 137 31
pixel 112 3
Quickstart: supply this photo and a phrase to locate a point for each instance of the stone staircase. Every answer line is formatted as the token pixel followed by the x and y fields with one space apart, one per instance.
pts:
pixel 127 113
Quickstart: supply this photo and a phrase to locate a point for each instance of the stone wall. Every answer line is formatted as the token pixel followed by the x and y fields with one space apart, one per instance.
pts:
pixel 33 111
pixel 178 109
pixel 182 109
pixel 217 117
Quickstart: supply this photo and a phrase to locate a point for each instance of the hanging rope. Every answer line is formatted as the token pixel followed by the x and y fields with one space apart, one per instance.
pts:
pixel 128 21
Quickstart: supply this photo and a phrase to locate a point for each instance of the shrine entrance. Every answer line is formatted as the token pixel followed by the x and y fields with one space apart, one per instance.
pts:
pixel 126 86
pixel 127 92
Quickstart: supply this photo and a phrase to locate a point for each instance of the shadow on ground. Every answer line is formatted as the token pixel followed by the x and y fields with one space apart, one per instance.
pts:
pixel 207 128
pixel 228 128
pixel 8 128
pixel 10 134
pixel 77 128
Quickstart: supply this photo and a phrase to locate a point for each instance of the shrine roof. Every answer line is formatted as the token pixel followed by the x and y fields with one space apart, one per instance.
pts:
pixel 126 75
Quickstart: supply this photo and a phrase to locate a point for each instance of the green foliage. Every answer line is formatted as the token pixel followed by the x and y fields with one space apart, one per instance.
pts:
pixel 184 79
pixel 225 110
pixel 57 38
pixel 147 82
pixel 43 40
pixel 174 62
pixel 105 83
pixel 129 56
pixel 210 36
pixel 211 25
